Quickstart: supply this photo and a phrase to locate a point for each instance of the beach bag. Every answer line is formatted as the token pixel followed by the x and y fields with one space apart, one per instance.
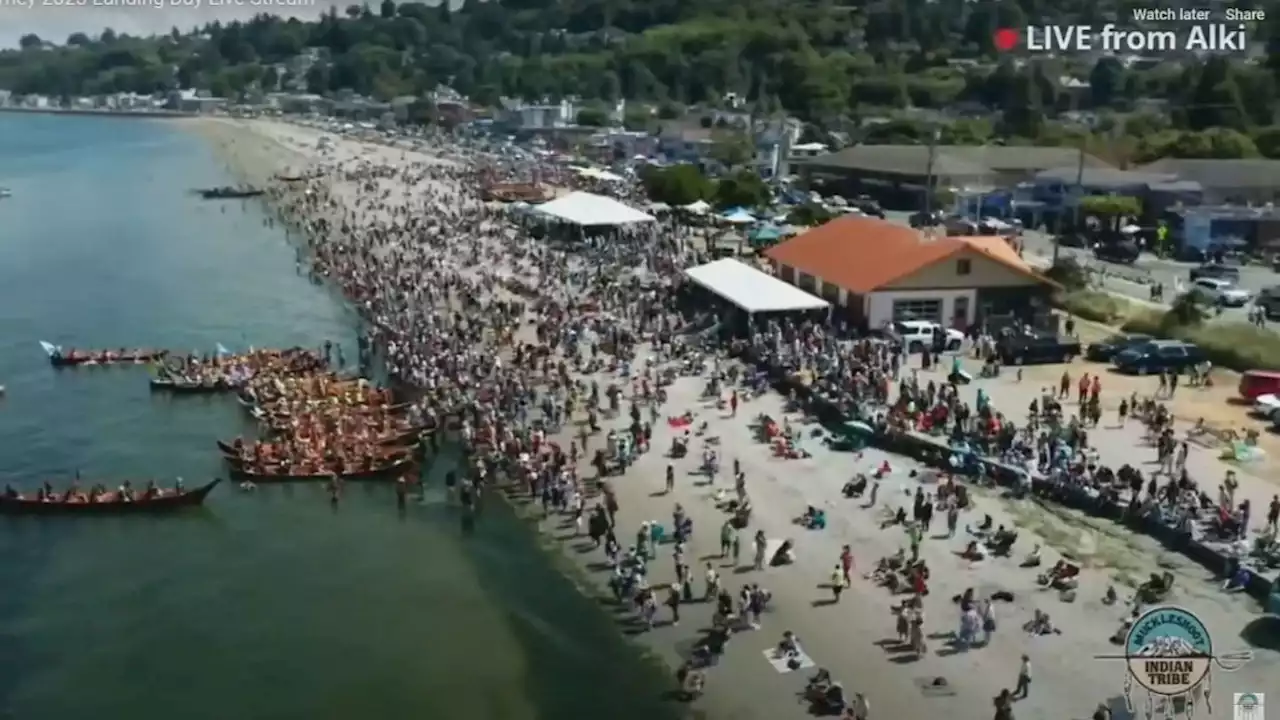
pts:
pixel 989 624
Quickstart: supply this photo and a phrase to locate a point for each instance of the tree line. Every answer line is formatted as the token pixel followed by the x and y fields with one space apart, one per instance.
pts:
pixel 840 67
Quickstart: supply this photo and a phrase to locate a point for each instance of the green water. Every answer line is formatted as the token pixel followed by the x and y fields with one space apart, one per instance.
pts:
pixel 263 605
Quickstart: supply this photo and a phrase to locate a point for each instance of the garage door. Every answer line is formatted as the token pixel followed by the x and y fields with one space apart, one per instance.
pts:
pixel 930 310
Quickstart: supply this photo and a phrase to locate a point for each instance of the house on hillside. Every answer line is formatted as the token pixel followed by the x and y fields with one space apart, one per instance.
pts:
pixel 877 272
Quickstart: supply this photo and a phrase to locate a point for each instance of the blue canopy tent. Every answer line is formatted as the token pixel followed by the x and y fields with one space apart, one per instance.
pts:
pixel 766 234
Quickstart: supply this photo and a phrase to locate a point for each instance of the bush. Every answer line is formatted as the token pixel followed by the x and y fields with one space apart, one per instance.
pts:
pixel 1094 306
pixel 1069 273
pixel 1234 345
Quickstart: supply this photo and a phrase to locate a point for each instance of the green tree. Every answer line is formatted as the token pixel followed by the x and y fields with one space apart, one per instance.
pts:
pixel 593 116
pixel 676 185
pixel 742 188
pixel 731 148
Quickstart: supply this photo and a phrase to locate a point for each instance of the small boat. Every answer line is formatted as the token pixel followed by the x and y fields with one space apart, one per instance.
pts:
pixel 387 450
pixel 187 387
pixel 107 504
pixel 5 192
pixel 390 469
pixel 228 193
pixel 59 357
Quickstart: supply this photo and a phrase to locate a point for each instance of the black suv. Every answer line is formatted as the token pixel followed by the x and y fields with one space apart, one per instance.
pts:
pixel 1159 356
pixel 1105 350
pixel 1217 271
pixel 1124 253
pixel 1030 349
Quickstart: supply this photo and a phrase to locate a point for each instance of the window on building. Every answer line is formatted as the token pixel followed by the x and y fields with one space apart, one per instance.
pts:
pixel 964 266
pixel 930 310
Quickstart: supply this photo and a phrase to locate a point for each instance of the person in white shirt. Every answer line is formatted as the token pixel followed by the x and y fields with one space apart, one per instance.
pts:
pixel 1023 688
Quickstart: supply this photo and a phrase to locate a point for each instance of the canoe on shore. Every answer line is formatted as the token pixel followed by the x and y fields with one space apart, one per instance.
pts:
pixel 385 472
pixel 108 504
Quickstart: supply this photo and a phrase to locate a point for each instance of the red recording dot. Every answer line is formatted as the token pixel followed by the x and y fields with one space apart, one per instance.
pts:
pixel 1006 39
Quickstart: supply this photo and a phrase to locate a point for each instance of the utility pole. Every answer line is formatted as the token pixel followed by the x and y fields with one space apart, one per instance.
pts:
pixel 1079 195
pixel 928 182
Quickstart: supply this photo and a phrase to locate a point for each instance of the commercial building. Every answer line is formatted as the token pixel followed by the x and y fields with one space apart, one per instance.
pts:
pixel 876 272
pixel 898 174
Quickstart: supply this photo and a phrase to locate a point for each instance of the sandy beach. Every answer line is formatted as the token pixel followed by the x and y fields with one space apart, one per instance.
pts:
pixel 853 638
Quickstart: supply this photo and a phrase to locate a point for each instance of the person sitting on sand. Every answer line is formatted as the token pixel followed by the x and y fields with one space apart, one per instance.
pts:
pixel 1032 559
pixel 788 646
pixel 974 552
pixel 856 487
pixel 1041 624
pixel 1062 576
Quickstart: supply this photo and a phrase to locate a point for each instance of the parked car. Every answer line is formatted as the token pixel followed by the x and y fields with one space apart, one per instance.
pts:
pixel 1106 349
pixel 916 335
pixel 925 219
pixel 1256 383
pixel 1159 356
pixel 1216 270
pixel 1269 300
pixel 1031 349
pixel 1124 253
pixel 1221 291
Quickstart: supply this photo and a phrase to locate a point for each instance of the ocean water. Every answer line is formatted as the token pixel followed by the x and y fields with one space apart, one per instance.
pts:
pixel 263 605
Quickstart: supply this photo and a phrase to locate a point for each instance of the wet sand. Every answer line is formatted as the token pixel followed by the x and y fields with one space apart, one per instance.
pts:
pixel 846 637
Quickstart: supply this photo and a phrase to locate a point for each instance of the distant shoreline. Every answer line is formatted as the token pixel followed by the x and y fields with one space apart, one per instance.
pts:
pixel 151 114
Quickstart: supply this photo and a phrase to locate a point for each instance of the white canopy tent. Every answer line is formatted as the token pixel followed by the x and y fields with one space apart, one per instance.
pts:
pixel 750 289
pixel 739 217
pixel 697 207
pixel 586 209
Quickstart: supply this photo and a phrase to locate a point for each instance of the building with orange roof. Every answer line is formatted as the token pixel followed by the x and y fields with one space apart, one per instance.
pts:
pixel 880 272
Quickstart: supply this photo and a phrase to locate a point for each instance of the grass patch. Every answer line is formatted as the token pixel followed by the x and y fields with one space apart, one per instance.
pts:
pixel 1095 306
pixel 1235 345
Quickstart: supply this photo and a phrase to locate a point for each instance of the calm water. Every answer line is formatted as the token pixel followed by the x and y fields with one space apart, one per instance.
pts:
pixel 268 605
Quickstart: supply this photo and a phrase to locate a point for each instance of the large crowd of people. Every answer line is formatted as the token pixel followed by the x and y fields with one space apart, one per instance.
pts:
pixel 549 359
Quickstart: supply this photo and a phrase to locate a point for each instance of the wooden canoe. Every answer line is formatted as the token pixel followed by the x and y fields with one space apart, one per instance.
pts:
pixel 381 473
pixel 29 505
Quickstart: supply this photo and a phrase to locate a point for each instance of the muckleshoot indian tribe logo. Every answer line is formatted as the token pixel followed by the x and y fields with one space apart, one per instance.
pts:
pixel 1170 654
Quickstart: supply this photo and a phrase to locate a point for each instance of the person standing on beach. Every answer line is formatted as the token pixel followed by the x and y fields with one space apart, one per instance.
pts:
pixel 760 545
pixel 673 602
pixel 846 566
pixel 837 583
pixel 1023 687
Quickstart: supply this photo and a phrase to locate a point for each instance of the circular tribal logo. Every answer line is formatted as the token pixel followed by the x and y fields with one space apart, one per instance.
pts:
pixel 1168 651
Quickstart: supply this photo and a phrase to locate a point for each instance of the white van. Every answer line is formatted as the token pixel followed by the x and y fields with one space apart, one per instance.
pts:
pixel 916 335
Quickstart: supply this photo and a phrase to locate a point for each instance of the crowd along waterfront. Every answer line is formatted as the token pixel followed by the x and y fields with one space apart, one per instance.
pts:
pixel 269 604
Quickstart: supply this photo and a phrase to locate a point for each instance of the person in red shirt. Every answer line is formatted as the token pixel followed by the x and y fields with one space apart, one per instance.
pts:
pixel 846 565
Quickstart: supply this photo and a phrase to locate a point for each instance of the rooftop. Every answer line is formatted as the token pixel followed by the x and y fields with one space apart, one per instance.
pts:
pixel 953 160
pixel 862 254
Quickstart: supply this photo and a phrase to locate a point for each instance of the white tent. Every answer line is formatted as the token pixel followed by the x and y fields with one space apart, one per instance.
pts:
pixel 751 289
pixel 739 217
pixel 698 208
pixel 587 209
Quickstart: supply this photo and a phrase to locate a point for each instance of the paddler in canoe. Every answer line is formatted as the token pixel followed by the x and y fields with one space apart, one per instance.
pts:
pixel 296 458
pixel 98 493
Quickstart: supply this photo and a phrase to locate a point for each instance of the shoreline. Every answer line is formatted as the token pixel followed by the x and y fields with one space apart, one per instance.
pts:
pixel 102 112
pixel 233 142
pixel 744 685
